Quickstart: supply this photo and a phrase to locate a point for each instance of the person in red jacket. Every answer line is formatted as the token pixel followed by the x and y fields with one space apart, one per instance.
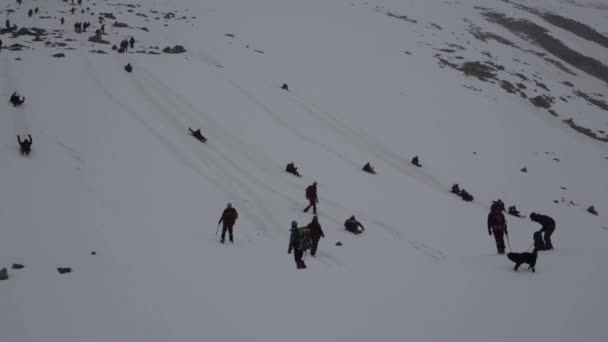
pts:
pixel 316 233
pixel 229 217
pixel 311 196
pixel 497 224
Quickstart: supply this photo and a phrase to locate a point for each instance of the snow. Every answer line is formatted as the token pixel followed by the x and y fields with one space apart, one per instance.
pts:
pixel 114 171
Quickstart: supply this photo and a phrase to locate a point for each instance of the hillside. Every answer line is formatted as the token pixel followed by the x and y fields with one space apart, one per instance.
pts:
pixel 477 89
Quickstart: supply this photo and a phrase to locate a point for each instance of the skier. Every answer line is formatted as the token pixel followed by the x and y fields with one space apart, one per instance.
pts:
pixel 497 225
pixel 15 100
pixel 548 227
pixel 62 20
pixel 316 233
pixel 311 196
pixel 8 24
pixel 197 135
pixel 295 245
pixel 291 168
pixel 30 12
pixel 229 217
pixel 132 42
pixel 25 145
pixel 352 225
pixel 368 168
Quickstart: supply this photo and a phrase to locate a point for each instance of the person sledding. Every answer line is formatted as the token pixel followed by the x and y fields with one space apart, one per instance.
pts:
pixel 15 100
pixel 416 161
pixel 291 168
pixel 25 145
pixel 352 225
pixel 513 211
pixel 197 135
pixel 369 169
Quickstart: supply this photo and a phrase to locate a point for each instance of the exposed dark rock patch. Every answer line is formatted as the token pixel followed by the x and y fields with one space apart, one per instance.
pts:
pixel 402 17
pixel 98 39
pixel 3 274
pixel 229 35
pixel 542 101
pixel 524 170
pixel 59 55
pixel 552 112
pixel 540 36
pixel 144 29
pixel 598 103
pixel 101 52
pixel 436 26
pixel 64 270
pixel 119 24
pixel 586 131
pixel 259 51
pixel 484 36
pixel 108 15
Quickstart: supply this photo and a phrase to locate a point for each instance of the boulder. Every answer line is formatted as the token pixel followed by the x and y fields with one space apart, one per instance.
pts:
pixel 175 49
pixel 592 210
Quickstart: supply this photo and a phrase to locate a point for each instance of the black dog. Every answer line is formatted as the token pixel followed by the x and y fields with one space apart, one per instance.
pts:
pixel 523 258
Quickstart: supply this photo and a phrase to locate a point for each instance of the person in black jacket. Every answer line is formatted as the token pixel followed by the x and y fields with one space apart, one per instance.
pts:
pixel 229 217
pixel 548 225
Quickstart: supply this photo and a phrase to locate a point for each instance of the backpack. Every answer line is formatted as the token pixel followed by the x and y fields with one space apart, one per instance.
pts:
pixel 303 242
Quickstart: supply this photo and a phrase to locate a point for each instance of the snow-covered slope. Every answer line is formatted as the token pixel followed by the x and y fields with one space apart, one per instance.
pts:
pixel 114 171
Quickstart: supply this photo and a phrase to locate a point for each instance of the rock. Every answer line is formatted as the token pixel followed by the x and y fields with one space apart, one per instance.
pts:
pixel 93 253
pixel 524 169
pixel 541 101
pixel 338 243
pixel 118 24
pixel 3 274
pixel 175 49
pixel 63 270
pixel 97 39
pixel 592 210
pixel 59 55
pixel 229 35
pixel 18 266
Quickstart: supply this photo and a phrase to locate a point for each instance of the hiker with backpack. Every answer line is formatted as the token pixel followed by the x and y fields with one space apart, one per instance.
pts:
pixel 548 227
pixel 229 217
pixel 299 242
pixel 316 233
pixel 497 225
pixel 311 196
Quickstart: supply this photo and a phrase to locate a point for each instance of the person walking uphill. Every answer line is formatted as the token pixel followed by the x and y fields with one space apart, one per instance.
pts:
pixel 316 233
pixel 311 196
pixel 295 244
pixel 548 227
pixel 229 217
pixel 497 225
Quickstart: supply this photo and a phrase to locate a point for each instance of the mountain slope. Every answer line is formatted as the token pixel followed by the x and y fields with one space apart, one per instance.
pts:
pixel 114 171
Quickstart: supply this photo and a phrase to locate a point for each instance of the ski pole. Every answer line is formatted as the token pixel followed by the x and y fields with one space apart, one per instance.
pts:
pixel 509 243
pixel 218 229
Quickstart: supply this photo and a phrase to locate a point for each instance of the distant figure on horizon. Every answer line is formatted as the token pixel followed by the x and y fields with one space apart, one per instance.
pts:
pixel 285 87
pixel 415 161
